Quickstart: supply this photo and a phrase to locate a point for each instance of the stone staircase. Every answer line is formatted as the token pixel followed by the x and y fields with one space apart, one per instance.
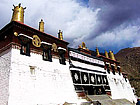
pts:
pixel 84 99
pixel 106 100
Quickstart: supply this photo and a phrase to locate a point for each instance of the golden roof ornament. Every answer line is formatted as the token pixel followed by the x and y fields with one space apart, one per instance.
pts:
pixel 54 47
pixel 60 35
pixel 36 41
pixel 111 55
pixel 83 45
pixel 41 26
pixel 15 33
pixel 97 52
pixel 106 54
pixel 18 13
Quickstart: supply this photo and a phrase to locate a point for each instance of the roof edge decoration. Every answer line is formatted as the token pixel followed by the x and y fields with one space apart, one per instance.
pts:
pixel 24 26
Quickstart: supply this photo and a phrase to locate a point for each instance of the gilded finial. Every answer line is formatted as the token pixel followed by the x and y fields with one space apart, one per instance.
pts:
pixel 97 51
pixel 41 25
pixel 60 35
pixel 106 54
pixel 83 45
pixel 111 55
pixel 18 13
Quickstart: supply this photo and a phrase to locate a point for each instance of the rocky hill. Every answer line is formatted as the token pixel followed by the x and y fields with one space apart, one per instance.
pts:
pixel 130 64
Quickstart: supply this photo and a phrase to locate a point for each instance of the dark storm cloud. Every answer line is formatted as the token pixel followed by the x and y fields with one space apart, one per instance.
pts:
pixel 114 13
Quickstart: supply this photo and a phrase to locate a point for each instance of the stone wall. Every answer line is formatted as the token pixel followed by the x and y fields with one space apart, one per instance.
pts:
pixel 5 67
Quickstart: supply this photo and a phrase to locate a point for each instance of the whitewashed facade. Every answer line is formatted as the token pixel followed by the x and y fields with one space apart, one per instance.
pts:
pixel 120 87
pixel 48 83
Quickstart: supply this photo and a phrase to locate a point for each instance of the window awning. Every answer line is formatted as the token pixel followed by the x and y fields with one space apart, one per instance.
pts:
pixel 26 36
pixel 60 48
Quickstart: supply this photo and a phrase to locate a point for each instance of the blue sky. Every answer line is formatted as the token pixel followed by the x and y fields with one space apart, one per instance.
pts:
pixel 108 24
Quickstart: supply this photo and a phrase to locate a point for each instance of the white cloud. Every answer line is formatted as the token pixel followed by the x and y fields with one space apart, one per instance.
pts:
pixel 120 37
pixel 76 21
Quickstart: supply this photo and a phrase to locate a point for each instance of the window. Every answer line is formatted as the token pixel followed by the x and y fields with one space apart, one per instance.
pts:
pixel 108 70
pixel 25 49
pixel 118 68
pixel 62 58
pixel 113 69
pixel 32 70
pixel 47 55
pixel 61 52
pixel 25 45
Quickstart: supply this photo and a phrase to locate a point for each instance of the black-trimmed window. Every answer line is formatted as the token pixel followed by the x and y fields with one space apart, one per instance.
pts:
pixel 118 68
pixel 47 55
pixel 107 67
pixel 47 52
pixel 113 69
pixel 25 45
pixel 62 59
pixel 25 49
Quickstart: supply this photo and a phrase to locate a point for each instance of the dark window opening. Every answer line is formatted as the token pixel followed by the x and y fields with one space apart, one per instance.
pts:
pixel 62 57
pixel 118 68
pixel 25 45
pixel 126 79
pixel 108 70
pixel 47 55
pixel 25 49
pixel 113 69
pixel 78 88
pixel 100 90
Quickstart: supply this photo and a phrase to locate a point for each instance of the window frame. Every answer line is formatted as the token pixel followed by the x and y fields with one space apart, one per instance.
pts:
pixel 27 47
pixel 108 69
pixel 62 59
pixel 119 70
pixel 113 69
pixel 48 53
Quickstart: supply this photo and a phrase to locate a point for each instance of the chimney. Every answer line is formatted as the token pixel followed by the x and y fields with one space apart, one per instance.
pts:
pixel 41 26
pixel 111 55
pixel 60 35
pixel 18 13
pixel 106 54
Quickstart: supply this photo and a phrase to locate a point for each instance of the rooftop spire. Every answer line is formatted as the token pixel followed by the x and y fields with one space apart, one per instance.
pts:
pixel 41 25
pixel 106 54
pixel 83 45
pixel 111 55
pixel 60 35
pixel 18 13
pixel 97 52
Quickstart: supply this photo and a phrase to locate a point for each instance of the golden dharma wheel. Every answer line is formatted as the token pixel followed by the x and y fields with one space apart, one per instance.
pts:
pixel 36 41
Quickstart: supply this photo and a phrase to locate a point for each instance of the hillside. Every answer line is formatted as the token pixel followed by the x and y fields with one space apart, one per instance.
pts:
pixel 130 64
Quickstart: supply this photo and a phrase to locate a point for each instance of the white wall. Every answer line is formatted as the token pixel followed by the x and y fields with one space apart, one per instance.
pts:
pixel 120 88
pixel 5 62
pixel 51 83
